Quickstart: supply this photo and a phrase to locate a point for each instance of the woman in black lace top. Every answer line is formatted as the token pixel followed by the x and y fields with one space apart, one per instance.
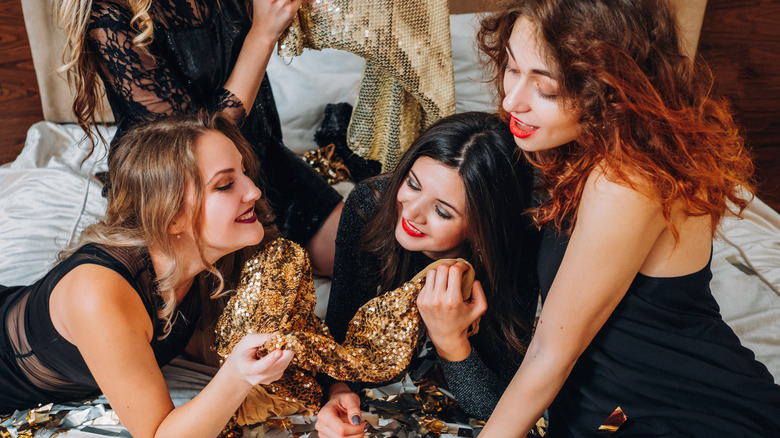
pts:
pixel 163 57
pixel 459 191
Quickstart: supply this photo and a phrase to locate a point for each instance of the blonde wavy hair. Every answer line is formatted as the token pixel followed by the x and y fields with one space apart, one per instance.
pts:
pixel 149 173
pixel 81 68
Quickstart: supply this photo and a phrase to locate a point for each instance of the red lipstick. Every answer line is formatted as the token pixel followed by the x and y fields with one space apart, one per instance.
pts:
pixel 410 230
pixel 520 129
pixel 248 217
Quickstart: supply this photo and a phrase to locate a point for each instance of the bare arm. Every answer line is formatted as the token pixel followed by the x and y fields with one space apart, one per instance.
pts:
pixel 122 361
pixel 271 18
pixel 616 230
pixel 148 86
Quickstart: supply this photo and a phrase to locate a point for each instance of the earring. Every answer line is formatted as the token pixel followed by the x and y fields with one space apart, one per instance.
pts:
pixel 178 236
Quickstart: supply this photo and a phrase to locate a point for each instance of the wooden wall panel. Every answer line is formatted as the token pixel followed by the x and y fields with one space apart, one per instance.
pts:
pixel 741 42
pixel 20 103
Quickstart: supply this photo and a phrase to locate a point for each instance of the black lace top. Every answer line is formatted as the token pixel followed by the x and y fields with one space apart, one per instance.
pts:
pixel 37 365
pixel 184 69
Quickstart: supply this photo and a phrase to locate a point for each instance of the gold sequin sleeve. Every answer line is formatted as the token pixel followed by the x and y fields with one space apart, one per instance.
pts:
pixel 276 294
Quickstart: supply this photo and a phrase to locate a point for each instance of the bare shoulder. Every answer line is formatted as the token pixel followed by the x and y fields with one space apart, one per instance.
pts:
pixel 94 295
pixel 605 193
pixel 624 207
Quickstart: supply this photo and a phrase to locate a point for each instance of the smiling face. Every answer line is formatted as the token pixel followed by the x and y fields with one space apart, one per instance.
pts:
pixel 540 119
pixel 228 218
pixel 432 210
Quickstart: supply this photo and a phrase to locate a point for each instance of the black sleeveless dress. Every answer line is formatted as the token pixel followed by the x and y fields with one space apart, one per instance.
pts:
pixel 195 46
pixel 37 365
pixel 667 359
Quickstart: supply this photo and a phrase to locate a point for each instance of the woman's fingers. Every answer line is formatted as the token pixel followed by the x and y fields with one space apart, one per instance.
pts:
pixel 443 285
pixel 270 367
pixel 454 279
pixel 478 299
pixel 254 339
pixel 337 418
pixel 350 402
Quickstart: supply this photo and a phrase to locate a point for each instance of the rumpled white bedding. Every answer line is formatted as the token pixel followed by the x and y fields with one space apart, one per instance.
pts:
pixel 746 280
pixel 48 196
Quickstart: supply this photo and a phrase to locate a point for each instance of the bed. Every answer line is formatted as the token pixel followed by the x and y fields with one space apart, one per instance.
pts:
pixel 49 194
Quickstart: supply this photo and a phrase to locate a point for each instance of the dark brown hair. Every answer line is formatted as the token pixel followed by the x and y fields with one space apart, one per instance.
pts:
pixel 500 242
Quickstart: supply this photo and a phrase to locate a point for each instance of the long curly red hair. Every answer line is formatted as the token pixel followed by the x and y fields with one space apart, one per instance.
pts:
pixel 646 110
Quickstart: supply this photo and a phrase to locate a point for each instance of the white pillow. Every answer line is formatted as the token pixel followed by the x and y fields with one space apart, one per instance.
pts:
pixel 472 92
pixel 303 85
pixel 48 197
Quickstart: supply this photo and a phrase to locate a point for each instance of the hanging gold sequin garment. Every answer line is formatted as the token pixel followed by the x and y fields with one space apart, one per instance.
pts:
pixel 408 80
pixel 276 294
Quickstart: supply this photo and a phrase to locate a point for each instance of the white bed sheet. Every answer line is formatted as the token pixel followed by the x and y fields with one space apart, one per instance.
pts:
pixel 746 280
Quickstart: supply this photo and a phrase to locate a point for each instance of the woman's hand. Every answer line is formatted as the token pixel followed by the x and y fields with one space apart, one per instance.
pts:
pixel 446 316
pixel 340 417
pixel 243 360
pixel 271 17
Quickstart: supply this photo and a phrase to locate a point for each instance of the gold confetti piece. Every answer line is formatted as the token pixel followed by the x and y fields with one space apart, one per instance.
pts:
pixel 328 164
pixel 614 421
pixel 540 427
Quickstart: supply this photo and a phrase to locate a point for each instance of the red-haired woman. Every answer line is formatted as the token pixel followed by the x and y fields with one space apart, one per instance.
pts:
pixel 639 163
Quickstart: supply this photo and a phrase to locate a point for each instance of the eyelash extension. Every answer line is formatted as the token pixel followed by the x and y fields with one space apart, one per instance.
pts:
pixel 546 96
pixel 224 188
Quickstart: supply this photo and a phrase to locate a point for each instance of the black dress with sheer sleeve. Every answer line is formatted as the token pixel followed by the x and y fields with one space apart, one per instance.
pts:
pixel 37 365
pixel 183 70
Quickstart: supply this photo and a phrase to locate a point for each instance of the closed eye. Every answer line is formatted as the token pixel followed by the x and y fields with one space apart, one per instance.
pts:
pixel 412 184
pixel 444 214
pixel 226 187
pixel 544 95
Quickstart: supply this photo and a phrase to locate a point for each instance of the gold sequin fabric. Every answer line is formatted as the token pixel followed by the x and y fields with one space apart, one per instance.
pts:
pixel 276 294
pixel 408 80
pixel 328 164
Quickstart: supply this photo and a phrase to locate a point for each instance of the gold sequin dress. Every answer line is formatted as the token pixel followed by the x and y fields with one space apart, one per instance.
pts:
pixel 408 81
pixel 276 294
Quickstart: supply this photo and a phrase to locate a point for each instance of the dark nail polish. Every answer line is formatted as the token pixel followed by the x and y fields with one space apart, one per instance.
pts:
pixel 355 420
